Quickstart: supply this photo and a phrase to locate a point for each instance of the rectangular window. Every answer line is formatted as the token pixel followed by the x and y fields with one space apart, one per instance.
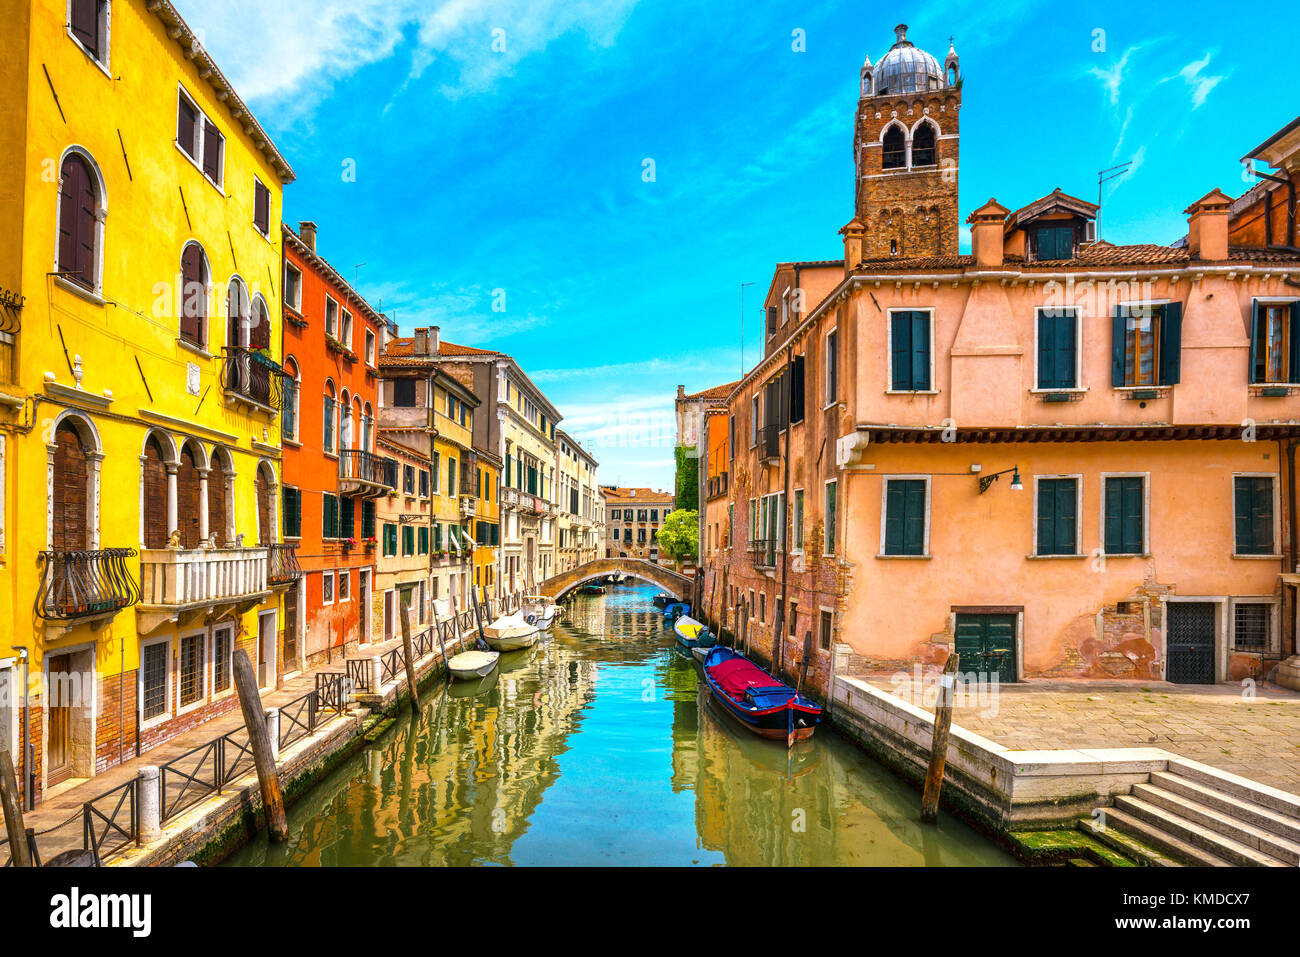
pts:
pixel 214 148
pixel 292 287
pixel 222 647
pixel 370 347
pixel 1253 514
pixel 328 438
pixel 154 668
pixel 832 366
pixel 451 477
pixel 797 389
pixel 797 520
pixel 1275 342
pixel 191 676
pixel 424 483
pixel 755 411
pixel 390 539
pixel 1057 349
pixel 905 501
pixel 1058 516
pixel 408 540
pixel 345 584
pixel 824 630
pixel 368 518
pixel 408 479
pixel 327 587
pixel 828 545
pixel 909 337
pixel 404 393
pixel 88 22
pixel 1125 515
pixel 187 127
pixel 1251 626
pixel 345 329
pixel 1147 344
pixel 329 516
pixel 424 539
pixel 261 207
pixel 1053 242
pixel 347 517
pixel 331 318
pixel 291 503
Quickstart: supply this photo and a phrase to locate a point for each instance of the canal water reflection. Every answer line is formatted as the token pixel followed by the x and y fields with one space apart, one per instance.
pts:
pixel 600 746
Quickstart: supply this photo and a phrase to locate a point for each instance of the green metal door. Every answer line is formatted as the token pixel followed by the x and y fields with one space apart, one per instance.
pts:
pixel 987 645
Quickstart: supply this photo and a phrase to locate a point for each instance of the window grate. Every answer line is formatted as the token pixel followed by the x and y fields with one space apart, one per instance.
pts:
pixel 1250 627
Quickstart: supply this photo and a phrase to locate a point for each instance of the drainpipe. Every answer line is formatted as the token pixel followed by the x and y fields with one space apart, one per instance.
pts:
pixel 1290 561
pixel 29 779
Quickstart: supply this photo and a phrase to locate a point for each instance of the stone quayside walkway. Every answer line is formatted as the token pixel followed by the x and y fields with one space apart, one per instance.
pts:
pixel 1256 738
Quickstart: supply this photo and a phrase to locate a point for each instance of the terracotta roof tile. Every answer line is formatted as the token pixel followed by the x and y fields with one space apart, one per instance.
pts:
pixel 715 393
pixel 1100 254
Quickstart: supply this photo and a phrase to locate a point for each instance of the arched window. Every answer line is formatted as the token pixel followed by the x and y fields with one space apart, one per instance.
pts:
pixel 895 149
pixel 327 440
pixel 264 482
pixel 79 221
pixel 259 332
pixel 345 422
pixel 218 499
pixel 237 313
pixel 155 494
pixel 368 428
pixel 923 146
pixel 194 294
pixel 289 401
pixel 71 491
pixel 187 497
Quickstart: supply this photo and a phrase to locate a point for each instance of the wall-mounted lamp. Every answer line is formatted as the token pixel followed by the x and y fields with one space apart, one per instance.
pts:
pixel 988 480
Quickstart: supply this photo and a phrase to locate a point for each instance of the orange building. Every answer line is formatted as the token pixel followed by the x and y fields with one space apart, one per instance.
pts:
pixel 1056 456
pixel 331 472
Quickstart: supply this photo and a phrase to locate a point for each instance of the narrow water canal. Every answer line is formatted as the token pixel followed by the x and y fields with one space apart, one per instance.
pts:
pixel 599 747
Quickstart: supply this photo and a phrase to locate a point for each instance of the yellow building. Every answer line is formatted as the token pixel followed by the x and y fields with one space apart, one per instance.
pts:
pixel 487 526
pixel 139 384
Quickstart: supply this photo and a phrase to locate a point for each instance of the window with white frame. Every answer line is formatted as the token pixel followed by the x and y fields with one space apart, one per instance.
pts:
pixel 88 23
pixel 199 139
pixel 345 329
pixel 370 347
pixel 327 588
pixel 830 517
pixel 345 585
pixel 293 287
pixel 1252 625
pixel 154 677
pixel 797 521
pixel 191 669
pixel 222 655
pixel 331 318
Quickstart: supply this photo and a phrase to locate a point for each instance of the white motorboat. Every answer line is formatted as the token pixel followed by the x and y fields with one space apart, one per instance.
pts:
pixel 540 610
pixel 472 665
pixel 511 632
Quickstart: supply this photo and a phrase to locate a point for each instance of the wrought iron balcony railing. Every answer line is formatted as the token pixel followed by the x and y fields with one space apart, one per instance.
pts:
pixel 769 443
pixel 252 377
pixel 765 552
pixel 282 566
pixel 717 485
pixel 361 468
pixel 82 584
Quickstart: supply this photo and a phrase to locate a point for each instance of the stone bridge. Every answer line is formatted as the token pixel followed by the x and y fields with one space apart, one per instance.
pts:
pixel 676 584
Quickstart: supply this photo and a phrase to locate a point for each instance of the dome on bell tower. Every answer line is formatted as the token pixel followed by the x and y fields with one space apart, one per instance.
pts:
pixel 906 68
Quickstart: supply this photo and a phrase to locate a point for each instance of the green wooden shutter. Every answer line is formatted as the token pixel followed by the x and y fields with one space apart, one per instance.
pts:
pixel 347 518
pixel 330 517
pixel 1046 354
pixel 901 350
pixel 920 350
pixel 1117 348
pixel 1124 516
pixel 1256 367
pixel 291 502
pixel 424 539
pixel 1171 343
pixel 1057 518
pixel 368 519
pixel 905 517
pixel 1253 508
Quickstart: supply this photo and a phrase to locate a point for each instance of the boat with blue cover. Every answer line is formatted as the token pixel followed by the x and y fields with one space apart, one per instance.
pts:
pixel 761 702
pixel 676 610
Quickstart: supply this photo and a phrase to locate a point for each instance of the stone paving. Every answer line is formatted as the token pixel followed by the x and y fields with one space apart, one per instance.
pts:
pixel 1218 725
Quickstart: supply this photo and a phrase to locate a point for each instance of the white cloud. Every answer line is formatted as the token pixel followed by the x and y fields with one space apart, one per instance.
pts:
pixel 294 50
pixel 1112 78
pixel 1201 83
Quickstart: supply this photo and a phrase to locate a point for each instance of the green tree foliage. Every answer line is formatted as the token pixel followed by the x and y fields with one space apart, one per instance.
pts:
pixel 688 478
pixel 679 535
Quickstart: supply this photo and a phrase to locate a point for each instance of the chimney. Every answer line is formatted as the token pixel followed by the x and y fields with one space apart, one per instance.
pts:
pixel 307 231
pixel 1207 226
pixel 986 233
pixel 854 233
pixel 434 339
pixel 421 342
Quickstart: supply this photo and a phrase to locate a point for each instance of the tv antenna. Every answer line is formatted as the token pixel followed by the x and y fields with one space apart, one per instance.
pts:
pixel 1105 176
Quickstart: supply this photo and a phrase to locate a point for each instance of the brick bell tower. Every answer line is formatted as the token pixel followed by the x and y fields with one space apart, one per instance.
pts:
pixel 905 150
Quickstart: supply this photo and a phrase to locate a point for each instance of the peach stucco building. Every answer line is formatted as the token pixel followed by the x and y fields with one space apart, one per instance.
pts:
pixel 1056 456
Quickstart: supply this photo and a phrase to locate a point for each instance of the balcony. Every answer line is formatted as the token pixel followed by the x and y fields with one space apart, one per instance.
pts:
pixel 187 586
pixel 252 379
pixel 366 475
pixel 765 552
pixel 510 497
pixel 282 564
pixel 769 444
pixel 717 485
pixel 84 587
pixel 468 506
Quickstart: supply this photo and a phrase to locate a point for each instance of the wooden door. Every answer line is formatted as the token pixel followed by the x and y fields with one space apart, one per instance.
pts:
pixel 187 500
pixel 58 752
pixel 265 528
pixel 71 474
pixel 363 599
pixel 1190 642
pixel 155 496
pixel 291 626
pixel 987 645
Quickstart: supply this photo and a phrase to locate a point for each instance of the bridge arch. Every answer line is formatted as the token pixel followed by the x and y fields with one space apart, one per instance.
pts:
pixel 676 584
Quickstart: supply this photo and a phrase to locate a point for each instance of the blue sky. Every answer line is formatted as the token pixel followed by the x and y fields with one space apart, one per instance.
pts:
pixel 501 144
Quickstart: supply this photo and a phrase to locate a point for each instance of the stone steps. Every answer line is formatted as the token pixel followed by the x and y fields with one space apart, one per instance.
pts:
pixel 1179 850
pixel 1244 811
pixel 1205 838
pixel 1128 845
pixel 1225 824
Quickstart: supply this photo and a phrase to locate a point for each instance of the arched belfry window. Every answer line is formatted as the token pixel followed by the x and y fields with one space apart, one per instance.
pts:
pixel 923 146
pixel 894 154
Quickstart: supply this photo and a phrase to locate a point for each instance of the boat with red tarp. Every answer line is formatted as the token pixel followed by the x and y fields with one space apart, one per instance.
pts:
pixel 761 702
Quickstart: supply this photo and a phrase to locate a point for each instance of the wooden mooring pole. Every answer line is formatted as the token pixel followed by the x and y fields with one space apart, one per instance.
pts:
pixel 277 826
pixel 11 800
pixel 939 748
pixel 410 659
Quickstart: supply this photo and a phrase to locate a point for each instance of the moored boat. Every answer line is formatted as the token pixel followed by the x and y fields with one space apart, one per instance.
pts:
pixel 676 610
pixel 511 632
pixel 472 665
pixel 761 702
pixel 539 610
pixel 662 600
pixel 693 634
pixel 591 588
